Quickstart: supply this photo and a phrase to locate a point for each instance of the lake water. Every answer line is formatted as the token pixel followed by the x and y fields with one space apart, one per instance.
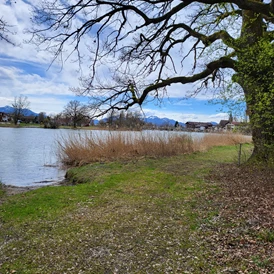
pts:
pixel 28 156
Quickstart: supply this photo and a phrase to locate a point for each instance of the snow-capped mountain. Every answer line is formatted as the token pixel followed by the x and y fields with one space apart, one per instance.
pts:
pixel 152 120
pixel 161 121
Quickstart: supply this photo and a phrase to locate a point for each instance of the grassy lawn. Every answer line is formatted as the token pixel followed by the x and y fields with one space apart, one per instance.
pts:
pixel 30 125
pixel 142 216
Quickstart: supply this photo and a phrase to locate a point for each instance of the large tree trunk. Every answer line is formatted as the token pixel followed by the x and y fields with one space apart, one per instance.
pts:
pixel 255 56
pixel 262 124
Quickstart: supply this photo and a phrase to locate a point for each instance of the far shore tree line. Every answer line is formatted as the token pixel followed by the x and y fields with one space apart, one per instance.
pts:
pixel 77 114
pixel 74 114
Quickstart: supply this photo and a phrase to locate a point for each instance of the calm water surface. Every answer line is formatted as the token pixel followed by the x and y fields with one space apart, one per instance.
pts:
pixel 28 156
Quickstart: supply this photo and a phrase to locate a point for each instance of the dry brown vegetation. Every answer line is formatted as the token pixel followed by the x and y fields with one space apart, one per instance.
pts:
pixel 243 231
pixel 83 149
pixel 226 139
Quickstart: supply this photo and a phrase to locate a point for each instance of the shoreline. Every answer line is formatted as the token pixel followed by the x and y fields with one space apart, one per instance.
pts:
pixel 13 190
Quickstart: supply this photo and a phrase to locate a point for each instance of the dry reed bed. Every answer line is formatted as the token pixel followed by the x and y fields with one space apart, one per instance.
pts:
pixel 79 149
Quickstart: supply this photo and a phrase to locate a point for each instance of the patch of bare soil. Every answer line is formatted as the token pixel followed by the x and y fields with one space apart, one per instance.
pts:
pixel 241 237
pixel 13 190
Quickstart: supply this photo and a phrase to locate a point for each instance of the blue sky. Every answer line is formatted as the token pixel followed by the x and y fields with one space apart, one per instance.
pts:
pixel 26 71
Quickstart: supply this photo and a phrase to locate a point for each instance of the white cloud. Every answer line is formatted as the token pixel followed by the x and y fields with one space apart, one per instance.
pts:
pixel 203 117
pixel 17 82
pixel 185 117
pixel 23 70
pixel 46 104
pixel 6 101
pixel 47 94
pixel 182 103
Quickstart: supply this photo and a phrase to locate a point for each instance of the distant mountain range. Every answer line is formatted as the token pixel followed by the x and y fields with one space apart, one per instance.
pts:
pixel 162 121
pixel 151 119
pixel 26 112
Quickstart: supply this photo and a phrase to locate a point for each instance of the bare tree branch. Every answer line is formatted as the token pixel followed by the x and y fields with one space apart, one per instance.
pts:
pixel 5 31
pixel 141 37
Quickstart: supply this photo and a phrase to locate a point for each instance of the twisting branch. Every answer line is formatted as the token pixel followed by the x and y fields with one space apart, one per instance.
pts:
pixel 4 31
pixel 124 92
pixel 211 68
pixel 145 45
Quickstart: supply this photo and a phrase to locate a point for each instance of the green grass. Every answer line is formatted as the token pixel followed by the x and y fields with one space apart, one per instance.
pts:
pixel 122 217
pixel 266 235
pixel 2 192
pixel 20 125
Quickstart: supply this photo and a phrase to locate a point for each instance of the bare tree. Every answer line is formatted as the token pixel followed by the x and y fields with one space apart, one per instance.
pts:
pixel 121 119
pixel 41 117
pixel 147 44
pixel 76 112
pixel 5 30
pixel 20 104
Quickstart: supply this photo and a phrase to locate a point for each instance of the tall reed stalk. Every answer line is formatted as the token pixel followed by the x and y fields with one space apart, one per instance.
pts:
pixel 80 149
